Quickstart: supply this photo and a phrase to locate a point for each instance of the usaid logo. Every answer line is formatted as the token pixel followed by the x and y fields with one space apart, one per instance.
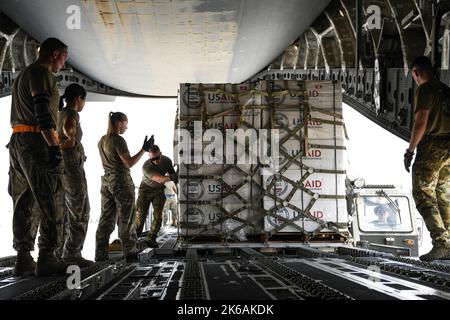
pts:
pixel 221 98
pixel 314 154
pixel 313 184
pixel 214 188
pixel 194 216
pixel 280 186
pixel 317 214
pixel 193 190
pixel 314 95
pixel 315 92
pixel 223 126
pixel 214 216
pixel 195 99
pixel 283 212
pixel 314 124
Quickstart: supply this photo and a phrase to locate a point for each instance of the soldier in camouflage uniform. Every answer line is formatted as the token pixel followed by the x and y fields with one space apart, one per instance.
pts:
pixel 117 189
pixel 34 161
pixel 151 191
pixel 74 178
pixel 171 204
pixel 431 169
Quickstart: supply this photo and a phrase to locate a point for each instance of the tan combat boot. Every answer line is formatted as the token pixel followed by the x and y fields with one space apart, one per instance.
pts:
pixel 25 264
pixel 440 251
pixel 48 264
pixel 151 241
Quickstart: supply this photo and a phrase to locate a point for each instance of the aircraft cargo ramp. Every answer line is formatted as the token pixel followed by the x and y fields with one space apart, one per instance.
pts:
pixel 224 271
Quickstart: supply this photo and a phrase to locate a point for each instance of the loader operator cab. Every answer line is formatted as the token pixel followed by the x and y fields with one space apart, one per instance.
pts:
pixel 376 216
pixel 383 219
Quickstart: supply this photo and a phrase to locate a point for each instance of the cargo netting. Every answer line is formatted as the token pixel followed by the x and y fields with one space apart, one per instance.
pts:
pixel 297 191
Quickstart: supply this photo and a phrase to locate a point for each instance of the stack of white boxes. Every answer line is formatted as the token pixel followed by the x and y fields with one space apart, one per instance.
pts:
pixel 220 107
pixel 231 106
pixel 326 151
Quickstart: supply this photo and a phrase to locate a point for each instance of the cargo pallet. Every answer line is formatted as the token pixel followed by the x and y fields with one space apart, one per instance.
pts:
pixel 263 99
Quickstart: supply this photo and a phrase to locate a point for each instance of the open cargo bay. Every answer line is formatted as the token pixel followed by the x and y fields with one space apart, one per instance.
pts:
pixel 257 231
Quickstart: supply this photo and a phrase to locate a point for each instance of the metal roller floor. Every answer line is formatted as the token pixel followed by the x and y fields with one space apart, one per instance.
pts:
pixel 226 272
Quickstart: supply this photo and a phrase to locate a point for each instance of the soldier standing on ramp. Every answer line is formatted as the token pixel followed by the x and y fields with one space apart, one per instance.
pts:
pixel 171 204
pixel 431 169
pixel 117 189
pixel 34 160
pixel 74 178
pixel 151 191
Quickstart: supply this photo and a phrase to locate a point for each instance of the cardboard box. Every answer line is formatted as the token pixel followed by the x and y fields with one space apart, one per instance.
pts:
pixel 319 183
pixel 283 93
pixel 324 94
pixel 210 220
pixel 215 98
pixel 209 189
pixel 320 155
pixel 328 210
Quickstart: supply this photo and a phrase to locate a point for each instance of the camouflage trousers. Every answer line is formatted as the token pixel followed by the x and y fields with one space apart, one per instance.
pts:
pixel 117 206
pixel 35 189
pixel 76 204
pixel 148 196
pixel 170 205
pixel 431 185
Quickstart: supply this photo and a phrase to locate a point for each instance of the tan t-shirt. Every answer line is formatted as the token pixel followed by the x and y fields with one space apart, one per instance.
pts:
pixel 33 78
pixel 149 169
pixel 110 148
pixel 430 96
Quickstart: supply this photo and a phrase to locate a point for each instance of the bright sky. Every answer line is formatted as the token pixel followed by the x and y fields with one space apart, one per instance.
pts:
pixel 375 154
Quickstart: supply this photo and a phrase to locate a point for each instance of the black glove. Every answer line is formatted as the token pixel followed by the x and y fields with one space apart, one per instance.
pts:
pixel 148 144
pixel 54 155
pixel 174 177
pixel 407 158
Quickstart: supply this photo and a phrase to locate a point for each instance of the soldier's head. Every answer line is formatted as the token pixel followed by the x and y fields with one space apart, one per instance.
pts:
pixel 75 97
pixel 53 53
pixel 422 70
pixel 381 213
pixel 155 155
pixel 117 123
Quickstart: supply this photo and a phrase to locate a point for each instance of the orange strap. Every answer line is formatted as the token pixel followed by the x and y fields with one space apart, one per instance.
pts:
pixel 34 129
pixel 25 128
pixel 55 135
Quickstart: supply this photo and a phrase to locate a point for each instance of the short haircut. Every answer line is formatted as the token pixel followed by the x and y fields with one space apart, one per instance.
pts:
pixel 422 63
pixel 51 44
pixel 154 149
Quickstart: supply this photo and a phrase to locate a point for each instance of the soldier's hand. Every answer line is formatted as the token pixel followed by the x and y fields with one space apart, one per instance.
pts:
pixel 174 177
pixel 148 143
pixel 55 156
pixel 407 159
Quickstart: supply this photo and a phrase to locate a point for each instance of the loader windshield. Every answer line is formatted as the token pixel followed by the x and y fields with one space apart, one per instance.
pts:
pixel 377 214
